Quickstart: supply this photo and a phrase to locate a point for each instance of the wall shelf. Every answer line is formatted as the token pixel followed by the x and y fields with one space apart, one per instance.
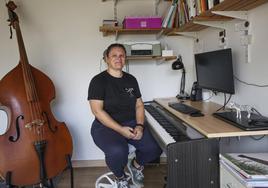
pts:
pixel 195 24
pixel 108 30
pixel 166 58
pixel 117 0
pixel 227 5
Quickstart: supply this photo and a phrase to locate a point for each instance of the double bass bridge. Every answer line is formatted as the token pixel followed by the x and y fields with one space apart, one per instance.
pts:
pixel 35 123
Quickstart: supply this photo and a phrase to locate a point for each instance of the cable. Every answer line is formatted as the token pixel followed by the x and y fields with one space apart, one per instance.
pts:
pixel 211 95
pixel 229 99
pixel 223 106
pixel 254 138
pixel 225 102
pixel 127 66
pixel 250 84
pixel 254 109
pixel 100 67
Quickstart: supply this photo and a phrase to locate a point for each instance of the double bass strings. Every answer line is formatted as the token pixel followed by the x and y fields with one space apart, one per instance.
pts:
pixel 36 120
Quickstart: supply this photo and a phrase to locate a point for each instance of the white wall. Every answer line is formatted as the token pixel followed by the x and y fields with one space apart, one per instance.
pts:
pixel 253 72
pixel 62 39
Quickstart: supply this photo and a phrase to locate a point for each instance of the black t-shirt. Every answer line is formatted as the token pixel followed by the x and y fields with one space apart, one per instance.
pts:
pixel 119 95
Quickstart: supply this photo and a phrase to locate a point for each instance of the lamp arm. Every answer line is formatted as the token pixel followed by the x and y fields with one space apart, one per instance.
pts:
pixel 182 88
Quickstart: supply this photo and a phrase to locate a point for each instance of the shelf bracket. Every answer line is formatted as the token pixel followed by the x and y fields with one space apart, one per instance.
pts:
pixel 159 34
pixel 216 24
pixel 242 15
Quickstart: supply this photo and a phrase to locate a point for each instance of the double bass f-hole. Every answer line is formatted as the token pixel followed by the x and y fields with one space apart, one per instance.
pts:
pixel 12 138
pixel 48 123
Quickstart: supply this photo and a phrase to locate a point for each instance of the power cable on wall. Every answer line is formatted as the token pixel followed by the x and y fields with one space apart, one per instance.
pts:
pixel 250 84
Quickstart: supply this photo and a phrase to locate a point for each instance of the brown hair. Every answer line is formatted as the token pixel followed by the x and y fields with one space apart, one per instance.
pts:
pixel 114 45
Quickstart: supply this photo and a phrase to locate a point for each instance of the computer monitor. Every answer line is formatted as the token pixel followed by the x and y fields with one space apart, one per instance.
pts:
pixel 214 71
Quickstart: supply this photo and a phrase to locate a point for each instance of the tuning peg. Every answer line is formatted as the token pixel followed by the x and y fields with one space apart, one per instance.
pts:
pixel 11 5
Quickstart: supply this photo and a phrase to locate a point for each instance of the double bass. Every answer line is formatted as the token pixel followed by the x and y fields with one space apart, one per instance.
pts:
pixel 36 147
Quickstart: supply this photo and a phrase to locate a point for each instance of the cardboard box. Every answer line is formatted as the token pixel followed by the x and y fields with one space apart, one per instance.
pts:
pixel 154 22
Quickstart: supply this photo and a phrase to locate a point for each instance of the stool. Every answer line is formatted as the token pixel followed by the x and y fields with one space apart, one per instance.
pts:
pixel 108 180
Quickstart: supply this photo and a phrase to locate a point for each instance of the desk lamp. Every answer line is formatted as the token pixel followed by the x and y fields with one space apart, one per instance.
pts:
pixel 177 65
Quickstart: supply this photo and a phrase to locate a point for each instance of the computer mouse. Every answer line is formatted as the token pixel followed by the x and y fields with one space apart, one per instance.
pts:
pixel 196 114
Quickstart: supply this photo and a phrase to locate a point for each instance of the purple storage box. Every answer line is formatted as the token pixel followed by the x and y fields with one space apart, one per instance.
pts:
pixel 154 22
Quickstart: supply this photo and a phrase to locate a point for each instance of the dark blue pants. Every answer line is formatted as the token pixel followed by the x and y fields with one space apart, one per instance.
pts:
pixel 115 146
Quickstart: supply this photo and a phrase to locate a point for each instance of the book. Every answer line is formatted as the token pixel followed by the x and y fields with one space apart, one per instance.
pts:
pixel 246 182
pixel 198 7
pixel 172 17
pixel 210 4
pixel 204 6
pixel 191 8
pixel 216 2
pixel 185 10
pixel 167 17
pixel 250 165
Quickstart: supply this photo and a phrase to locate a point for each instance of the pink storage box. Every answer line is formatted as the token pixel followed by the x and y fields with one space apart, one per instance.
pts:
pixel 153 22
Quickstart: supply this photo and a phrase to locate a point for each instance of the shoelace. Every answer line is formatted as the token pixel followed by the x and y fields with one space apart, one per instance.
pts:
pixel 139 174
pixel 123 184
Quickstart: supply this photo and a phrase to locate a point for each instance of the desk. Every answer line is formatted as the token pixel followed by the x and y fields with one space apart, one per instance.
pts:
pixel 208 125
pixel 195 163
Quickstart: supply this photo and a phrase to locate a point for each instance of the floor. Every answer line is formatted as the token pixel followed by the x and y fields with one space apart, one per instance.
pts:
pixel 86 177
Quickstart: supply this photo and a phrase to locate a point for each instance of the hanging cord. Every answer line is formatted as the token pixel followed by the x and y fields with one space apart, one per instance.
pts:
pixel 100 67
pixel 101 62
pixel 225 102
pixel 211 95
pixel 115 9
pixel 254 137
pixel 127 66
pixel 255 110
pixel 259 138
pixel 156 7
pixel 228 100
pixel 250 84
pixel 223 106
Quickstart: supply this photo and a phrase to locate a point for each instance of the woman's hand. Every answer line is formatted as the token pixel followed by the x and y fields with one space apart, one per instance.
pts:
pixel 127 132
pixel 138 131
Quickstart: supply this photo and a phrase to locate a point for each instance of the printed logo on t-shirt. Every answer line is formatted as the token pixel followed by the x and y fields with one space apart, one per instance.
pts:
pixel 130 91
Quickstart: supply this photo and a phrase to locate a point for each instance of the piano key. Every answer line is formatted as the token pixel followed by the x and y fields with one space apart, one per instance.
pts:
pixel 162 133
pixel 167 128
pixel 170 128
